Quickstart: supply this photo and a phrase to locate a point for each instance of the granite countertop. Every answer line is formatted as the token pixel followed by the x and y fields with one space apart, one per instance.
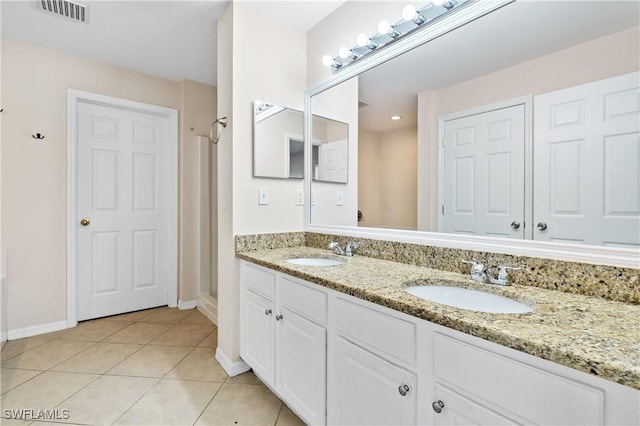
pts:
pixel 593 335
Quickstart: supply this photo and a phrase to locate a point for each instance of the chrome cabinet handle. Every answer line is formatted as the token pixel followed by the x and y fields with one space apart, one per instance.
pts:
pixel 268 312
pixel 515 224
pixel 404 389
pixel 437 406
pixel 278 317
pixel 541 226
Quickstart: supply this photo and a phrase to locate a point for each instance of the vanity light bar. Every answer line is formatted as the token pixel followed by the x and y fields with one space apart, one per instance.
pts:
pixel 387 33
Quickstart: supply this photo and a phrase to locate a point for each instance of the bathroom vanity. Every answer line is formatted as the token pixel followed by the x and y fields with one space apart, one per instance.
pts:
pixel 345 344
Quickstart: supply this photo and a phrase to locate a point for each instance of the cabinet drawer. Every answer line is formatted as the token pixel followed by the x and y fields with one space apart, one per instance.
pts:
pixel 535 395
pixel 258 280
pixel 391 337
pixel 304 300
pixel 459 410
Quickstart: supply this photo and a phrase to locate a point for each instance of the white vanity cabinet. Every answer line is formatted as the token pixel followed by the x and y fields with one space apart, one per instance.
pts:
pixel 284 338
pixel 371 366
pixel 337 359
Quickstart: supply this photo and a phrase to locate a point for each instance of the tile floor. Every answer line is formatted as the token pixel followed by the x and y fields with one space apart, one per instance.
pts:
pixel 152 367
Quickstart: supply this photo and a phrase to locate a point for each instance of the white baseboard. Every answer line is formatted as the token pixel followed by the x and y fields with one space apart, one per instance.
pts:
pixel 189 304
pixel 208 305
pixel 34 330
pixel 232 368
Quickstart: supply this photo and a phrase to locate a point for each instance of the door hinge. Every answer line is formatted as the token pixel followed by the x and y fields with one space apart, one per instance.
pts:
pixel 443 209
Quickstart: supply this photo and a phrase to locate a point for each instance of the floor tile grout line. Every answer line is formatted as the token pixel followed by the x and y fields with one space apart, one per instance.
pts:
pixel 137 400
pixel 209 403
pixel 279 413
pixel 40 373
pixel 18 354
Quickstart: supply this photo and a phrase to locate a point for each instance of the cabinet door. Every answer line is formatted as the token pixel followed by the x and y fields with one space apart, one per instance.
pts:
pixel 301 365
pixel 366 389
pixel 257 331
pixel 458 410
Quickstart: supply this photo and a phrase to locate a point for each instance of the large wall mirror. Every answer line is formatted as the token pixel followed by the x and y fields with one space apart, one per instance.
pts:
pixel 521 124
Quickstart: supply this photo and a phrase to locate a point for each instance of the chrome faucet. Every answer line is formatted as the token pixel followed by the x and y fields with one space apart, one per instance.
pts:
pixel 349 249
pixel 483 274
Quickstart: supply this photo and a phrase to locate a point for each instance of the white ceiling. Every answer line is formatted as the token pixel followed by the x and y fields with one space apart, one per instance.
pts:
pixel 170 39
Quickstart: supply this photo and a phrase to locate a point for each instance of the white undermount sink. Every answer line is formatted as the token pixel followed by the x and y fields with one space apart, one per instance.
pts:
pixel 469 299
pixel 316 261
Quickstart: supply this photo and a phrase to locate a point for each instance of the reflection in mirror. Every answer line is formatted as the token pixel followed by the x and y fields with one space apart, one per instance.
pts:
pixel 330 155
pixel 278 144
pixel 521 124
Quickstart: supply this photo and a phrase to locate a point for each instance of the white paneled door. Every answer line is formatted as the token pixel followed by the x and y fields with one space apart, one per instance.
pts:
pixel 333 161
pixel 124 210
pixel 587 163
pixel 483 178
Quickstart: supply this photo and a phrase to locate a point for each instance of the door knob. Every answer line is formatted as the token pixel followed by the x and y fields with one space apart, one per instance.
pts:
pixel 437 406
pixel 541 226
pixel 515 224
pixel 404 389
pixel 85 221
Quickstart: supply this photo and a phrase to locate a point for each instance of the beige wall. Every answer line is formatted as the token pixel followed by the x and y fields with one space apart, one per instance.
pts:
pixel 198 158
pixel 34 173
pixel 605 57
pixel 255 62
pixel 387 178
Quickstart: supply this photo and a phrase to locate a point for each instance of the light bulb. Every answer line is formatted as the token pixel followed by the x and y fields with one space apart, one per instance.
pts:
pixel 363 40
pixel 409 12
pixel 344 52
pixel 384 27
pixel 437 2
pixel 395 117
pixel 327 60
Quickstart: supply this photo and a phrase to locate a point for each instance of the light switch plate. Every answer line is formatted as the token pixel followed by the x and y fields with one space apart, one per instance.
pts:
pixel 263 196
pixel 339 198
pixel 299 197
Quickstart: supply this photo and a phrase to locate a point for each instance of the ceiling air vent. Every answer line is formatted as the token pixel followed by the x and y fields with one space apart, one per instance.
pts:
pixel 75 11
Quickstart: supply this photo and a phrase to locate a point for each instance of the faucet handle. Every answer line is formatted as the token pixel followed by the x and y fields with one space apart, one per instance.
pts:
pixel 477 270
pixel 502 274
pixel 352 247
pixel 476 266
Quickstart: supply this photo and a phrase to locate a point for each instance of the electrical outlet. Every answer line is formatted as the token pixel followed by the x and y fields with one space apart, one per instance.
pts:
pixel 299 197
pixel 339 198
pixel 263 196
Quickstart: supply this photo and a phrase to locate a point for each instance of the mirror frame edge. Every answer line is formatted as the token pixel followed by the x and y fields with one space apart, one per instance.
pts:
pixel 598 255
